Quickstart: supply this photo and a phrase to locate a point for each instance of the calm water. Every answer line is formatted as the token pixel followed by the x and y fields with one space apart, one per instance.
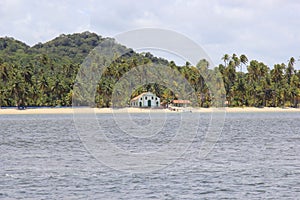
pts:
pixel 256 157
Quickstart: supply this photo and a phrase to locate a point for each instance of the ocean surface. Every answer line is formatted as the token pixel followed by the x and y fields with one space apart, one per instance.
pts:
pixel 256 156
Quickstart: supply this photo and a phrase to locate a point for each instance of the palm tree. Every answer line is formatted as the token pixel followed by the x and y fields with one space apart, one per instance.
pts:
pixel 244 60
pixel 226 59
pixel 295 89
pixel 290 69
pixel 236 60
pixel 4 73
pixel 277 78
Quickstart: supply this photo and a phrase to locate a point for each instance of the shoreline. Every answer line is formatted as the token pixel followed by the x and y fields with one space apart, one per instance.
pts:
pixel 70 110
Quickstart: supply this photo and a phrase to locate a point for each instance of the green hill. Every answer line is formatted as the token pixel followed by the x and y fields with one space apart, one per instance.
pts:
pixel 74 47
pixel 44 75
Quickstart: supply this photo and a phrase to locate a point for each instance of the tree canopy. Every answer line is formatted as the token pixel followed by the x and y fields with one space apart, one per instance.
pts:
pixel 44 75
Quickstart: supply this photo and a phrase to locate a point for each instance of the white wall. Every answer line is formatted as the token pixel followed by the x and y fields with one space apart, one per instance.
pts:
pixel 145 99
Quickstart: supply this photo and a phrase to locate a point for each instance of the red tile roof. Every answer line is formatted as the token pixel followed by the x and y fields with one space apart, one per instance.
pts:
pixel 182 101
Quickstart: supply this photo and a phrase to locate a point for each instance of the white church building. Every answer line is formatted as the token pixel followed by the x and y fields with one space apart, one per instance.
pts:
pixel 146 99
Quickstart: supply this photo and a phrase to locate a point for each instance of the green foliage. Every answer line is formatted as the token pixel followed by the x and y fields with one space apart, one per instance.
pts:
pixel 260 86
pixel 44 75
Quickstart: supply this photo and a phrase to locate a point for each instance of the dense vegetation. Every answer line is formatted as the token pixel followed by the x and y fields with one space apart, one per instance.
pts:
pixel 260 86
pixel 44 75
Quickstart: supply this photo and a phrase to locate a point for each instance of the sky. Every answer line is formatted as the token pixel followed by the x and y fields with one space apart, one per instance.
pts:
pixel 264 30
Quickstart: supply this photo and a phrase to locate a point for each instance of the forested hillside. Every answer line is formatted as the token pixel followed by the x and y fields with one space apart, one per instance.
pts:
pixel 44 75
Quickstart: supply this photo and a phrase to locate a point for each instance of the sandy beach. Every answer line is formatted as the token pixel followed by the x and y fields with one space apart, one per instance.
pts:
pixel 70 110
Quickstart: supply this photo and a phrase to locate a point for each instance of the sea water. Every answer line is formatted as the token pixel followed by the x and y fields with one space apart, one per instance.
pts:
pixel 256 157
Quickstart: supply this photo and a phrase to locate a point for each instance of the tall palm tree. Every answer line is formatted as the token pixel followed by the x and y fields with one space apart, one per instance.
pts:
pixel 236 60
pixel 290 69
pixel 244 61
pixel 277 76
pixel 226 59
pixel 295 89
pixel 4 72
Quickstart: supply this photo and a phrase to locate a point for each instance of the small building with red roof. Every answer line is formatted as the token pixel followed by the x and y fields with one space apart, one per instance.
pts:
pixel 181 103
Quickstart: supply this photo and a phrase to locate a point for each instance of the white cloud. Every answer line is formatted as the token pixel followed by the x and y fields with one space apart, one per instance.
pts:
pixel 266 30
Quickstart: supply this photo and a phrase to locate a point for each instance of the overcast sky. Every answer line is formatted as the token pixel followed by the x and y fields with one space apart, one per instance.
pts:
pixel 265 30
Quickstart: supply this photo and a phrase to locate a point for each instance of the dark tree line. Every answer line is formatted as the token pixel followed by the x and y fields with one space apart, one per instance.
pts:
pixel 260 86
pixel 44 75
